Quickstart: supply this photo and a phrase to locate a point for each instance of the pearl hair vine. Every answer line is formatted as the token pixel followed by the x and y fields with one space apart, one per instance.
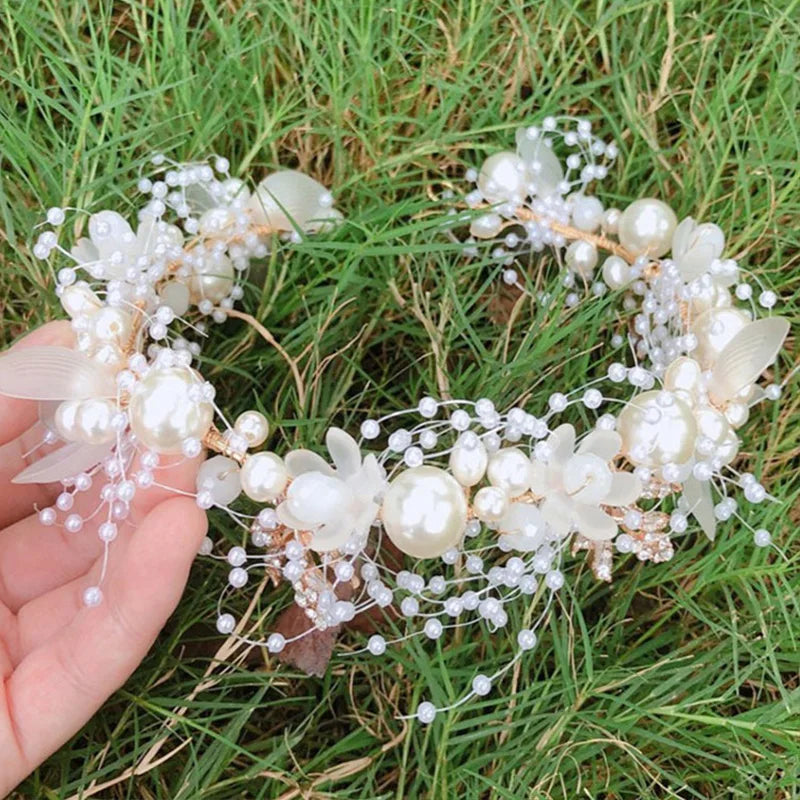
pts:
pixel 128 394
pixel 489 506
pixel 445 515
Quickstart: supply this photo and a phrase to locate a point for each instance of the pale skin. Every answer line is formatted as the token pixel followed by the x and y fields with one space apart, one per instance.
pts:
pixel 59 660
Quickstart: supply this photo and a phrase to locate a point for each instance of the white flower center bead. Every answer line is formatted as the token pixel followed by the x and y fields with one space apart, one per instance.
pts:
pixel 264 477
pixel 646 227
pixel 655 433
pixel 510 470
pixel 112 325
pixel 162 412
pixel 424 512
pixel 587 478
pixel 315 498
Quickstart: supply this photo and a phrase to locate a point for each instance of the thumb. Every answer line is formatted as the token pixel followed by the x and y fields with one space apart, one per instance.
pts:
pixel 57 687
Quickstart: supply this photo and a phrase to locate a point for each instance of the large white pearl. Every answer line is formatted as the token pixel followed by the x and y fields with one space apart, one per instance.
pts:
pixel 93 421
pixel 616 272
pixel 714 329
pixel 468 461
pixel 581 257
pixel 162 412
pixel 253 426
pixel 502 178
pixel 264 477
pixel 646 227
pixel 424 512
pixel 656 429
pixel 510 469
pixel 490 504
pixel 587 213
pixel 220 476
pixel 212 279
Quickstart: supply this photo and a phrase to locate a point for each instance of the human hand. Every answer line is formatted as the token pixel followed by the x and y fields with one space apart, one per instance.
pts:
pixel 60 660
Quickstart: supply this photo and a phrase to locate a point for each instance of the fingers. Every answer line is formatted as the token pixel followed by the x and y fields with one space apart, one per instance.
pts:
pixel 35 559
pixel 58 686
pixel 16 416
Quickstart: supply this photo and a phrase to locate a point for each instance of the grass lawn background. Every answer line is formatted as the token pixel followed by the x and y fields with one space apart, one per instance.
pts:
pixel 678 680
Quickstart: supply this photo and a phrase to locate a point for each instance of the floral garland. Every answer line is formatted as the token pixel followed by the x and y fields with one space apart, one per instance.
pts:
pixel 500 500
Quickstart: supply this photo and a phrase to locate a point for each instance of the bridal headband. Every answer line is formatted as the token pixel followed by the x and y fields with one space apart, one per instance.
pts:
pixel 445 514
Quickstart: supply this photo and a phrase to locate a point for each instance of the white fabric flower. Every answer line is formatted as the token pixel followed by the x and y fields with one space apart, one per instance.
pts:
pixel 113 248
pixel 288 200
pixel 695 246
pixel 523 527
pixel 332 503
pixel 575 484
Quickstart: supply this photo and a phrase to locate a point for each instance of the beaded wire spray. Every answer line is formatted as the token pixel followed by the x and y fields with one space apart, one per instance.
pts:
pixel 499 499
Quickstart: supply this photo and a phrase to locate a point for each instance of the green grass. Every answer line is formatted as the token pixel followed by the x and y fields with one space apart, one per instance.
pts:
pixel 679 680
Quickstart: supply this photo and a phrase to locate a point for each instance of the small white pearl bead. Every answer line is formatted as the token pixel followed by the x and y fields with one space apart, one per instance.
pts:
pixel 226 624
pixel 426 712
pixel 428 407
pixel 92 596
pixel 370 429
pixel 237 556
pixel 433 628
pixel 73 523
pixel 762 538
pixel 554 580
pixel 107 531
pixel 237 577
pixel 376 645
